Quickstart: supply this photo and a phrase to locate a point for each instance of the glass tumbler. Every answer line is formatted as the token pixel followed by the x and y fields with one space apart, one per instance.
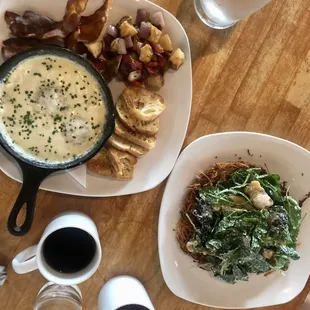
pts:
pixel 58 297
pixel 221 14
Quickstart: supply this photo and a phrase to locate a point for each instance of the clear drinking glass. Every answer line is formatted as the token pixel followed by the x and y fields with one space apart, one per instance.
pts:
pixel 58 297
pixel 221 14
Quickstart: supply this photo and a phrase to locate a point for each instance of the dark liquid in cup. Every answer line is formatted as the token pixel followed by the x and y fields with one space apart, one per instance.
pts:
pixel 132 307
pixel 69 250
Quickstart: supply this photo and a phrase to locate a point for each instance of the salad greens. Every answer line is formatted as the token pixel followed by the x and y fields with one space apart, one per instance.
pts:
pixel 236 238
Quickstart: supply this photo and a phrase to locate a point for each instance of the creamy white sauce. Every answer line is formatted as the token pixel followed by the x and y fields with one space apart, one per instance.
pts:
pixel 51 109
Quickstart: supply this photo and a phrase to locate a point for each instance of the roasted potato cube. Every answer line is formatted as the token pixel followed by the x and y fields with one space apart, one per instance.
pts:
pixel 127 30
pixel 155 83
pixel 177 59
pixel 146 53
pixel 155 35
pixel 123 19
pixel 134 76
pixel 95 48
pixel 165 43
pixel 114 45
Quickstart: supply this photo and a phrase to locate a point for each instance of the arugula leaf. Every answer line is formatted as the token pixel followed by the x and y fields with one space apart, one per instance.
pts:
pixel 255 263
pixel 278 233
pixel 242 177
pixel 206 218
pixel 221 197
pixel 243 221
pixel 260 231
pixel 294 216
pixel 272 186
pixel 289 252
pixel 213 197
pixel 280 262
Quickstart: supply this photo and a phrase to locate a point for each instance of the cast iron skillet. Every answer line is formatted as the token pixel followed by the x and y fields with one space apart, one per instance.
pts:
pixel 34 172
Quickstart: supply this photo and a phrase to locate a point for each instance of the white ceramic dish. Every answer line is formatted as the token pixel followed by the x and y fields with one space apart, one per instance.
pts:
pixel 152 169
pixel 181 274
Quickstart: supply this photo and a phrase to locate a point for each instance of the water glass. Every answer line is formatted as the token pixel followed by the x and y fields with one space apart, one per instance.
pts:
pixel 221 14
pixel 58 297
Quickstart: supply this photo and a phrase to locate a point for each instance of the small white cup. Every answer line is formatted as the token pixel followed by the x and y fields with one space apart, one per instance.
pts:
pixel 33 258
pixel 123 291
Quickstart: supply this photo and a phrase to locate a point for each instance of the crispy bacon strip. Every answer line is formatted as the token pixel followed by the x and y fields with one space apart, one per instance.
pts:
pixel 91 27
pixel 12 46
pixel 33 25
pixel 58 41
pixel 73 13
pixel 10 17
pixel 52 34
pixel 45 23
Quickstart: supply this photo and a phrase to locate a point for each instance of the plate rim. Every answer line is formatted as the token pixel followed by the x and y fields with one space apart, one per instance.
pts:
pixel 178 150
pixel 165 195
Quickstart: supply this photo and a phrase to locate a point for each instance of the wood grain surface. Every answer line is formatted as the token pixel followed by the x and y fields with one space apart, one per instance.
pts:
pixel 253 77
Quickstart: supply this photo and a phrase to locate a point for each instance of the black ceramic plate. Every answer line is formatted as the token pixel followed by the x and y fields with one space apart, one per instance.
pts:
pixel 34 172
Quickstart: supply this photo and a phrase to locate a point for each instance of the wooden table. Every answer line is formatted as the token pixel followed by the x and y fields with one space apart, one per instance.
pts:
pixel 254 77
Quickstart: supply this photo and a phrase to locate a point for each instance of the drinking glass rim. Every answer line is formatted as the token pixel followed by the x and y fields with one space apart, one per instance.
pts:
pixel 48 284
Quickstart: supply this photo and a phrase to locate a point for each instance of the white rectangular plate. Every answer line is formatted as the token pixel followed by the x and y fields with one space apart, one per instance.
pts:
pixel 152 169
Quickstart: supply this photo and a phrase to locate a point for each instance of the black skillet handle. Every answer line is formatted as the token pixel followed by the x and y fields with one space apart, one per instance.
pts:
pixel 32 178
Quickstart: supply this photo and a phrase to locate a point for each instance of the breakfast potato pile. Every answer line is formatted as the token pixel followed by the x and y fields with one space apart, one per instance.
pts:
pixel 137 52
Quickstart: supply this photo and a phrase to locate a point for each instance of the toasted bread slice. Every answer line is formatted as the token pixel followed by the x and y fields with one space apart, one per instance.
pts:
pixel 143 104
pixel 146 128
pixel 134 137
pixel 101 164
pixel 123 163
pixel 126 146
